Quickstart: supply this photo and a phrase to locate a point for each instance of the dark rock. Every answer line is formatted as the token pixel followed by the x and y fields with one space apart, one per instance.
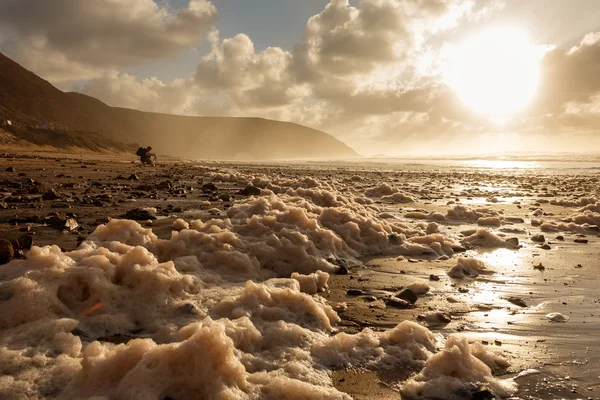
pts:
pixel 434 278
pixel 407 295
pixel 138 214
pixel 354 292
pixel 60 204
pixel 483 394
pixel 545 246
pixel 61 223
pixel 7 252
pixel 50 194
pixel 133 177
pixel 166 185
pixel 342 270
pixel 10 169
pixel 514 242
pixel 250 190
pixel 23 243
pixel 396 302
pixel 226 197
pixel 538 238
pixel 582 241
pixel 209 187
pixel 517 301
pixel 539 266
pixel 560 237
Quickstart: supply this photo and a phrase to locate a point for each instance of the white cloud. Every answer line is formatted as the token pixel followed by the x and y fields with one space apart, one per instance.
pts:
pixel 77 39
pixel 124 90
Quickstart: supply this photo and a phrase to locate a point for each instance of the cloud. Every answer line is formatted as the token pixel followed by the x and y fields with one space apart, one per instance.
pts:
pixel 251 79
pixel 124 90
pixel 75 39
pixel 571 75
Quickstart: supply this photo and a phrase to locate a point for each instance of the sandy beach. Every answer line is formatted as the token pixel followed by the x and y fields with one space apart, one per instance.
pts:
pixel 297 280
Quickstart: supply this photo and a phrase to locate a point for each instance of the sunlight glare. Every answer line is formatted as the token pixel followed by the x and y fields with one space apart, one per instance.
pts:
pixel 495 73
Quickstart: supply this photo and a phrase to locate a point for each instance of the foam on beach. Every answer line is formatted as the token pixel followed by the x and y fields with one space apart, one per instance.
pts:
pixel 227 308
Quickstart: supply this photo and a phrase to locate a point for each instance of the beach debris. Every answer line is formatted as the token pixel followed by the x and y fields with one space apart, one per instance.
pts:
pixel 93 308
pixel 539 267
pixel 557 317
pixel 517 301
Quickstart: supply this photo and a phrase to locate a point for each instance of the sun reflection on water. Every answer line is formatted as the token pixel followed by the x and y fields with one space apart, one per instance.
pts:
pixel 502 259
pixel 502 164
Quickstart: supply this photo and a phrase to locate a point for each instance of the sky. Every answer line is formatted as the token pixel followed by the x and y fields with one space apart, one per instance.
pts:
pixel 387 77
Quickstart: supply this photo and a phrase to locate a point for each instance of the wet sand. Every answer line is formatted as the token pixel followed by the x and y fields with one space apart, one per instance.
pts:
pixel 565 356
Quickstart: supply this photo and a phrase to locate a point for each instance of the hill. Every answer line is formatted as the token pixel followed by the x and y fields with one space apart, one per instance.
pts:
pixel 42 113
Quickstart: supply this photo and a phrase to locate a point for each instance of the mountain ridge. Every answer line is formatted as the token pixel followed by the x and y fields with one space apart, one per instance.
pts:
pixel 28 101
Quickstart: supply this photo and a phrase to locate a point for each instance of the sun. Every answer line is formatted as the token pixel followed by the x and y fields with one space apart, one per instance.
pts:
pixel 495 73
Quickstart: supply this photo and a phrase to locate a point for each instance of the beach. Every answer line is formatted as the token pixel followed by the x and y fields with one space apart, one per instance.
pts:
pixel 299 280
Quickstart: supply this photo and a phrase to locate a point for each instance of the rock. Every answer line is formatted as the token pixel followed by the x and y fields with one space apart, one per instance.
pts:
pixel 483 394
pixel 560 237
pixel 166 185
pixel 250 190
pixel 582 241
pixel 50 194
pixel 23 243
pixel 545 246
pixel 517 301
pixel 538 238
pixel 138 214
pixel 342 270
pixel 226 197
pixel 434 278
pixel 102 220
pixel 513 242
pixel 396 302
pixel 434 318
pixel 133 177
pixel 3 205
pixel 60 204
pixel 407 295
pixel 209 187
pixel 354 292
pixel 61 223
pixel 539 266
pixel 10 169
pixel 7 252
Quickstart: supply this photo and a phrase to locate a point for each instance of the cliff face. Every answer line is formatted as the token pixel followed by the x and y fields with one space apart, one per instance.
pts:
pixel 29 100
